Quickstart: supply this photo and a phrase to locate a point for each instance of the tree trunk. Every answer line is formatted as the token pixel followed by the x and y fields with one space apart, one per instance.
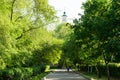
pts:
pixel 107 67
pixel 11 16
pixel 88 69
pixel 107 70
pixel 98 70
pixel 91 69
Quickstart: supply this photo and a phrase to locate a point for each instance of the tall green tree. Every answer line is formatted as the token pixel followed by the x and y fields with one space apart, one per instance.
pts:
pixel 98 29
pixel 20 24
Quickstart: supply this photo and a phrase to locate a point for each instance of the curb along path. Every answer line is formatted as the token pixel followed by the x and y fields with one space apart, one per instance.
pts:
pixel 62 74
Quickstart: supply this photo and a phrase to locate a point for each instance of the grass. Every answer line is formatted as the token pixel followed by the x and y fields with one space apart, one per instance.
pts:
pixel 94 76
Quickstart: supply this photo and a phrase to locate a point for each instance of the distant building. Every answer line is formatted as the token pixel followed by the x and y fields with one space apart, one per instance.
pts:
pixel 64 17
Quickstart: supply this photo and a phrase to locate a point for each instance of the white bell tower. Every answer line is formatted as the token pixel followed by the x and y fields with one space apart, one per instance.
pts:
pixel 64 17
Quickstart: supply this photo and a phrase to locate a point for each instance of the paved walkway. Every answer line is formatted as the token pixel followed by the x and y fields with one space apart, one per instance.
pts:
pixel 62 74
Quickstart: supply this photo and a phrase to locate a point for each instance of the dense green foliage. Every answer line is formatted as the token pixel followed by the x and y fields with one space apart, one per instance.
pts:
pixel 26 46
pixel 20 73
pixel 113 67
pixel 97 32
pixel 63 32
pixel 24 40
pixel 96 35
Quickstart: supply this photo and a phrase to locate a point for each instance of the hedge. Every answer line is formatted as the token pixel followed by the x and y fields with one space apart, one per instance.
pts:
pixel 114 69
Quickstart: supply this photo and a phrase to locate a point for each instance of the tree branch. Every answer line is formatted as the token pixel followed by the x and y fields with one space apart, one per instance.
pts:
pixel 20 17
pixel 11 17
pixel 26 31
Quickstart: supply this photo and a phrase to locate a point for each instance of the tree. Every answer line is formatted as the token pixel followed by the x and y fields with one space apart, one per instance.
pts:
pixel 48 50
pixel 20 24
pixel 97 30
pixel 63 32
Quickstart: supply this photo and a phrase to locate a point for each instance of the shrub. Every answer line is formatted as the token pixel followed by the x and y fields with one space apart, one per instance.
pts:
pixel 47 67
pixel 114 69
pixel 27 73
pixel 18 73
pixel 21 73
